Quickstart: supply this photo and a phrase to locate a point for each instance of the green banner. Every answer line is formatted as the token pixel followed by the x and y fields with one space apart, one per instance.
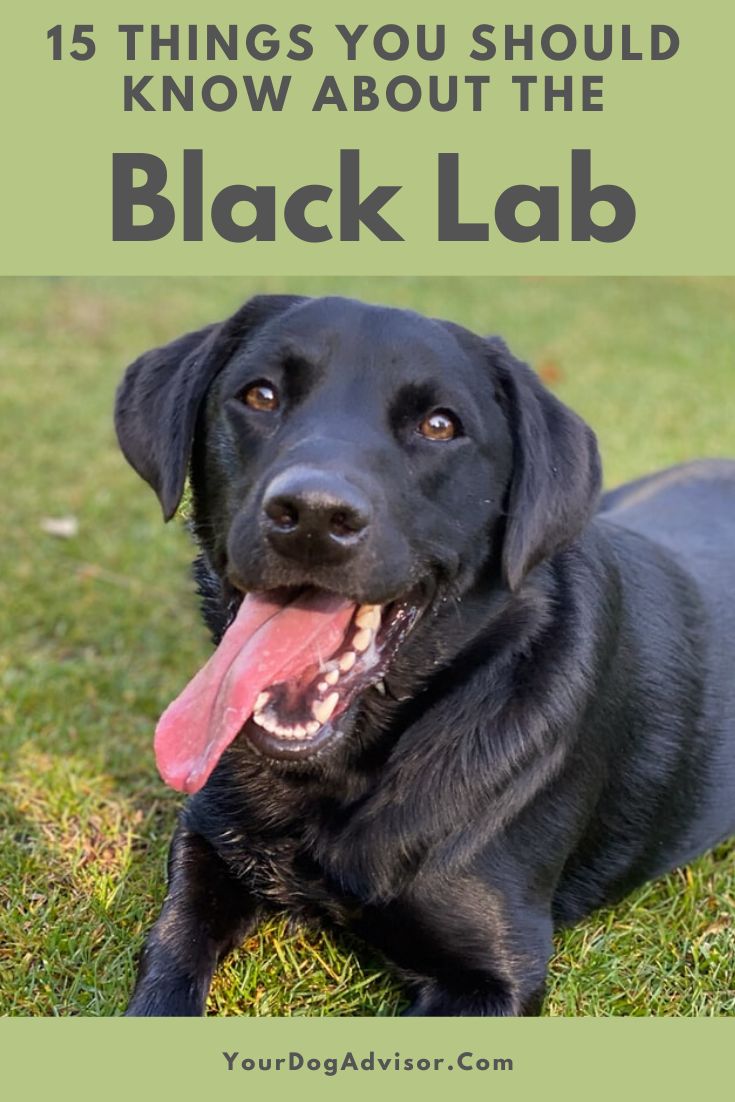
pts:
pixel 553 1059
pixel 334 139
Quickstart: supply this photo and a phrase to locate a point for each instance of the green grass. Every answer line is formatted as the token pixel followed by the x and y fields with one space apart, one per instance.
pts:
pixel 101 630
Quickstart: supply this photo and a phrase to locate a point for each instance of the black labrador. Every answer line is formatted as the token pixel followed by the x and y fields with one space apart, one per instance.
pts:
pixel 457 701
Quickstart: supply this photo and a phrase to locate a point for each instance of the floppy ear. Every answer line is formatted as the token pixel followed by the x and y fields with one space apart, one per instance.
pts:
pixel 160 395
pixel 556 468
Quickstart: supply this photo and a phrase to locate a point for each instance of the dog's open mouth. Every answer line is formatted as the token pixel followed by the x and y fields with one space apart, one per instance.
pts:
pixel 288 666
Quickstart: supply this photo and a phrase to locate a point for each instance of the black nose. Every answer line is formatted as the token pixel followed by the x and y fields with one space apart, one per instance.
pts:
pixel 315 516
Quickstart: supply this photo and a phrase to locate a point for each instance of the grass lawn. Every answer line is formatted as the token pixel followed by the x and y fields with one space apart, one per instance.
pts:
pixel 100 631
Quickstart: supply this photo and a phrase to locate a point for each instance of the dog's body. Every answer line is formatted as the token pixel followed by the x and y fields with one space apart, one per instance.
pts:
pixel 557 720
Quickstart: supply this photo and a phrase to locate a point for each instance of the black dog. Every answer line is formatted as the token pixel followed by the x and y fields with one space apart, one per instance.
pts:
pixel 456 708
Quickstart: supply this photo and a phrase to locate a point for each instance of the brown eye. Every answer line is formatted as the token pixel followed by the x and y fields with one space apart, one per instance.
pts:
pixel 261 396
pixel 439 425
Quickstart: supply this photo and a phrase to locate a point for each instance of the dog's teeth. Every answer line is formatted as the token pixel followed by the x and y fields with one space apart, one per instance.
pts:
pixel 322 709
pixel 347 661
pixel 363 639
pixel 261 702
pixel 380 686
pixel 368 616
pixel 330 678
pixel 299 730
pixel 289 732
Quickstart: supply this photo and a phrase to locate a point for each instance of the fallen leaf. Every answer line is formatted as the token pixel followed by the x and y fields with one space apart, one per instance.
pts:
pixel 550 371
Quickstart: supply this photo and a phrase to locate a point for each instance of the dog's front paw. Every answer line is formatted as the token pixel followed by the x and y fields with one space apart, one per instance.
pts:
pixel 169 997
pixel 434 1001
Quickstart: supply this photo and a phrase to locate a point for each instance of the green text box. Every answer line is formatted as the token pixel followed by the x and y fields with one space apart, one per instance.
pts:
pixel 663 136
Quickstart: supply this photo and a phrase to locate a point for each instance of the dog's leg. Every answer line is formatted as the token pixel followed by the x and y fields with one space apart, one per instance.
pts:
pixel 207 913
pixel 467 951
pixel 486 1001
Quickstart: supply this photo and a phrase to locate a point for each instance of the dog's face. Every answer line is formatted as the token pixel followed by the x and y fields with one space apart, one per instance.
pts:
pixel 353 449
pixel 351 464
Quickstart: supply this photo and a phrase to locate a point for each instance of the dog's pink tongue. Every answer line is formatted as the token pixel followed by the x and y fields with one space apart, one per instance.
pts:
pixel 268 642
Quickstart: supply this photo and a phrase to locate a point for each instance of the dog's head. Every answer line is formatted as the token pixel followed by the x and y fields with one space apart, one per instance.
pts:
pixel 349 464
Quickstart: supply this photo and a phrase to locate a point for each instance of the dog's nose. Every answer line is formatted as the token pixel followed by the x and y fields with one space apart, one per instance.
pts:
pixel 314 515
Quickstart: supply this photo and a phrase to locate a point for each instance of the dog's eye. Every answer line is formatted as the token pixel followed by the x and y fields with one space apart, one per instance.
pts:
pixel 440 425
pixel 261 396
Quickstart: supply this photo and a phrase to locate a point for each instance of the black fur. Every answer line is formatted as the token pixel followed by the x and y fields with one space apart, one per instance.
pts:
pixel 558 728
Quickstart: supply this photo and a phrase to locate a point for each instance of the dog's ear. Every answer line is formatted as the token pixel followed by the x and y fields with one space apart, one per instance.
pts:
pixel 556 468
pixel 160 395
